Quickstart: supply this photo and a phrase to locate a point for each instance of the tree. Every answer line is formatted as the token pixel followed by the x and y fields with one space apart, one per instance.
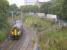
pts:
pixel 64 9
pixel 29 8
pixel 4 6
pixel 13 8
pixel 54 7
pixel 45 7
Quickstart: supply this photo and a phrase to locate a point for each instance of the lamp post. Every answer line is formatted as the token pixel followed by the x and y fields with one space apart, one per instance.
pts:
pixel 12 14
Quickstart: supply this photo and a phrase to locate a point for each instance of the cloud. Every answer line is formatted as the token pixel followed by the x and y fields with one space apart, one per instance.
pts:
pixel 44 0
pixel 17 2
pixel 21 2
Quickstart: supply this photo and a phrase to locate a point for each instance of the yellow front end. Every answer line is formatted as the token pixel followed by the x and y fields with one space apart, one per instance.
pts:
pixel 15 32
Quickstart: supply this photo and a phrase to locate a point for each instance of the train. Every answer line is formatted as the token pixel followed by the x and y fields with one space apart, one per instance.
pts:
pixel 16 30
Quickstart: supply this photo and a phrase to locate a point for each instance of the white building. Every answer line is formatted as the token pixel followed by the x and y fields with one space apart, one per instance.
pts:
pixel 33 2
pixel 30 2
pixel 52 17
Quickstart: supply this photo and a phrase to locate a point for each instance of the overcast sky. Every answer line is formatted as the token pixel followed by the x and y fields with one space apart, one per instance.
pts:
pixel 22 2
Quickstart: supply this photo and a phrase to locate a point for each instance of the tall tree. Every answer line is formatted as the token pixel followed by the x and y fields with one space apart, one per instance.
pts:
pixel 4 6
pixel 55 7
pixel 29 8
pixel 13 8
pixel 45 6
pixel 64 10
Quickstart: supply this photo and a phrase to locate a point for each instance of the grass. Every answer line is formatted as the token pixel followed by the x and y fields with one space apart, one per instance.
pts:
pixel 3 35
pixel 4 32
pixel 57 40
pixel 36 22
pixel 56 34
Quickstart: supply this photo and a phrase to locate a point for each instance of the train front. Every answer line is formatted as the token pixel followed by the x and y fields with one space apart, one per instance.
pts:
pixel 16 30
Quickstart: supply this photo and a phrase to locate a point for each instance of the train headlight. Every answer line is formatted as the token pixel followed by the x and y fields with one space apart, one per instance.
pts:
pixel 11 32
pixel 19 32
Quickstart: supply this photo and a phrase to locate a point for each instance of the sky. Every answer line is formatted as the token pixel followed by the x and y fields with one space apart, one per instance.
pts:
pixel 22 2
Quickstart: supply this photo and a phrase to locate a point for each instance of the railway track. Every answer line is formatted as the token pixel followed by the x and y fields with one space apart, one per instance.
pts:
pixel 11 44
pixel 22 44
pixel 25 43
pixel 7 44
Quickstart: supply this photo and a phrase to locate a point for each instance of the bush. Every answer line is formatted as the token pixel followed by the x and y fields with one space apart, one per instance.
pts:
pixel 3 35
pixel 57 40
